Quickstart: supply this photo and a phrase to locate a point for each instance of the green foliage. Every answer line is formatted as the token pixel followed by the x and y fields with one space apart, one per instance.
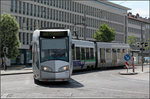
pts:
pixel 105 33
pixel 9 29
pixel 148 47
pixel 131 40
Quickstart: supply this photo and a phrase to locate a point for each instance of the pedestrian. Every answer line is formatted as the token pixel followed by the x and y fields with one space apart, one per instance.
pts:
pixel 4 64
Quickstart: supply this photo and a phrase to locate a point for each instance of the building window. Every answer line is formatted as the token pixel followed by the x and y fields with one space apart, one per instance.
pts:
pixel 27 38
pixel 44 12
pixel 47 13
pixel 27 8
pixel 41 11
pixel 20 7
pixel 45 1
pixel 27 24
pixel 31 24
pixel 30 37
pixel 20 23
pixel 34 10
pixel 11 5
pixel 41 24
pixel 20 37
pixel 24 7
pixel 38 11
pixel 16 6
pixel 23 38
pixel 31 9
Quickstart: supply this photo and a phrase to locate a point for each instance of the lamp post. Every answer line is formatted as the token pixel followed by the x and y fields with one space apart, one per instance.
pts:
pixel 75 31
pixel 142 45
pixel 125 28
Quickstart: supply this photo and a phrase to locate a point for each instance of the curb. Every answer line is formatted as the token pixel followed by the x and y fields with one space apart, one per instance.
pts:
pixel 128 73
pixel 16 73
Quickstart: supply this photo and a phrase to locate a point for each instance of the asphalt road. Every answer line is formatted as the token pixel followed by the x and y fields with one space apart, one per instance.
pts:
pixel 87 84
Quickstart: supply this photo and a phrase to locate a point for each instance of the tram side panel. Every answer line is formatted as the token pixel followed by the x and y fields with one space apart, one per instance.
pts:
pixel 83 55
pixel 110 54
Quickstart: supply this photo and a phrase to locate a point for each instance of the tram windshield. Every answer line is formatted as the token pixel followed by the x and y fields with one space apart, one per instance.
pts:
pixel 54 49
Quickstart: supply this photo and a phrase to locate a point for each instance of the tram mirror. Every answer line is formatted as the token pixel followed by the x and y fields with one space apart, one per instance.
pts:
pixel 73 46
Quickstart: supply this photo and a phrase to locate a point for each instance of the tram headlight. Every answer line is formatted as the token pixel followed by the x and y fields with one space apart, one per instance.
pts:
pixel 45 68
pixel 64 68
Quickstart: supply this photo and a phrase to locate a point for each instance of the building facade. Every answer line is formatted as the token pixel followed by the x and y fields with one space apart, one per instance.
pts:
pixel 84 17
pixel 139 27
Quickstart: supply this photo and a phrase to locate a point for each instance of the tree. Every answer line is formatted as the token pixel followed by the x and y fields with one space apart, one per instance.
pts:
pixel 148 45
pixel 131 40
pixel 9 33
pixel 105 33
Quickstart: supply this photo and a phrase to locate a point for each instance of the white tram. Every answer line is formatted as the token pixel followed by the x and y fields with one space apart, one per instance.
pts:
pixel 55 54
pixel 51 55
pixel 87 54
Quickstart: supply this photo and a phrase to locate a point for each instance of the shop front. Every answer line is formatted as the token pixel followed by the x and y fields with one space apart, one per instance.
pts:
pixel 23 58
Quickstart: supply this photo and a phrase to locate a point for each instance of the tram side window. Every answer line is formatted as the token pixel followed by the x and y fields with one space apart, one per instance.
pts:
pixel 124 52
pixel 108 53
pixel 119 54
pixel 36 57
pixel 87 54
pixel 102 55
pixel 73 54
pixel 77 53
pixel 82 54
pixel 92 53
pixel 33 54
pixel 114 56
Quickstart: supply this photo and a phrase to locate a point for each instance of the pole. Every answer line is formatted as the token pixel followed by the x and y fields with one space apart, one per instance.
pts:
pixel 125 29
pixel 133 65
pixel 4 51
pixel 142 45
pixel 84 23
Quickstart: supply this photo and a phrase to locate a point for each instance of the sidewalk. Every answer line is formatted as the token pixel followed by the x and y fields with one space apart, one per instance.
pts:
pixel 26 70
pixel 138 69
pixel 16 70
pixel 138 75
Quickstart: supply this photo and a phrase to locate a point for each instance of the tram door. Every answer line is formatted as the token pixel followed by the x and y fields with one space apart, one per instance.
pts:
pixel 102 56
pixel 114 57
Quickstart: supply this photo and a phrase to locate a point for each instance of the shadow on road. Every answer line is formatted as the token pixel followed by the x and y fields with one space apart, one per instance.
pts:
pixel 85 71
pixel 70 84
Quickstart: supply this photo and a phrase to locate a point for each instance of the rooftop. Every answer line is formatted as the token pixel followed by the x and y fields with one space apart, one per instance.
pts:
pixel 138 17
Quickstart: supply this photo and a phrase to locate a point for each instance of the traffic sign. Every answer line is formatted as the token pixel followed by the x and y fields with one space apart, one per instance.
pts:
pixel 127 57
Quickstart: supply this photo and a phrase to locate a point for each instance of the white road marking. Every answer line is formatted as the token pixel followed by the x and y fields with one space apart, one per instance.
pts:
pixel 125 91
pixel 4 95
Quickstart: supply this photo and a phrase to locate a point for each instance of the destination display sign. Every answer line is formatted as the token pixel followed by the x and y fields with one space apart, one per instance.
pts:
pixel 53 34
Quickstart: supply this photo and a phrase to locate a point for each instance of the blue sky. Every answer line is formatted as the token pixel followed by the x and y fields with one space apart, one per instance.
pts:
pixel 141 7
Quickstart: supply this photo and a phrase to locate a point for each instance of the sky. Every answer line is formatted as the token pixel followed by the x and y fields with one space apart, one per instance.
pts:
pixel 136 6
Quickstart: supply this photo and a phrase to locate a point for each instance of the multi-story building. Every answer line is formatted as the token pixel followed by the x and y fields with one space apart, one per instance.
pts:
pixel 139 27
pixel 82 16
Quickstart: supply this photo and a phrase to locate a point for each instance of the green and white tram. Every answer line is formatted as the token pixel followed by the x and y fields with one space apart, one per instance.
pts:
pixel 51 55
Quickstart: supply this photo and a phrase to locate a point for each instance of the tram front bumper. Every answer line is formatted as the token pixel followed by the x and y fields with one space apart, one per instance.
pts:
pixel 59 76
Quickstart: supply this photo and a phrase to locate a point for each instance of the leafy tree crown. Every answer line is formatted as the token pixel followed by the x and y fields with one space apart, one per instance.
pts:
pixel 9 32
pixel 105 33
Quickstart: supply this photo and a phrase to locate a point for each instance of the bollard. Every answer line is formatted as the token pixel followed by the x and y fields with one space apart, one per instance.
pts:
pixel 133 64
